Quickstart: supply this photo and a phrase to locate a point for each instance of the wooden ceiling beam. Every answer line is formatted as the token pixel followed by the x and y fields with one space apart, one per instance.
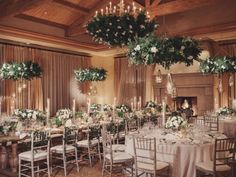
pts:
pixel 82 10
pixel 147 3
pixel 14 7
pixel 178 6
pixel 155 3
pixel 78 27
pixel 39 20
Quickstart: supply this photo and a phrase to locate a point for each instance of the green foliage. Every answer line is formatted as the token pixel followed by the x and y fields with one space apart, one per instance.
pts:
pixel 163 51
pixel 218 65
pixel 90 74
pixel 116 30
pixel 24 70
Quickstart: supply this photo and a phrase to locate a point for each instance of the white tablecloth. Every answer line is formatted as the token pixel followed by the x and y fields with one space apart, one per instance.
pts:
pixel 181 153
pixel 228 127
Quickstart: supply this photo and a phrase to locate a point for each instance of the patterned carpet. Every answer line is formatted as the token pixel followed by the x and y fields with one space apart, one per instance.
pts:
pixel 85 171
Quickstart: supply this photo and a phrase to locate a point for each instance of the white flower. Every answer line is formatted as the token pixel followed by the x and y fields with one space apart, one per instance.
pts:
pixel 182 48
pixel 154 49
pixel 137 48
pixel 190 57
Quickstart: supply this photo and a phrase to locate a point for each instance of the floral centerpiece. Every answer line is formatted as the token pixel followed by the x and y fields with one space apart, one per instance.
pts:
pixel 107 108
pixel 150 104
pixel 62 116
pixel 29 114
pixel 90 74
pixel 123 110
pixel 118 30
pixel 224 111
pixel 24 70
pixel 163 51
pixel 95 107
pixel 218 64
pixel 175 123
pixel 7 125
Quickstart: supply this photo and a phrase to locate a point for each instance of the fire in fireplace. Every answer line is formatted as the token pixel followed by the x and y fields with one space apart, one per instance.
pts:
pixel 187 105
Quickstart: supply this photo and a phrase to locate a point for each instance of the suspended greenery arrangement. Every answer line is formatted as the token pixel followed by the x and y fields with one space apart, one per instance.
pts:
pixel 163 51
pixel 218 65
pixel 90 74
pixel 24 70
pixel 119 30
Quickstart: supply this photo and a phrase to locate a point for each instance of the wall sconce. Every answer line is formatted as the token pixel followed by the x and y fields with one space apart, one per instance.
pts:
pixel 158 75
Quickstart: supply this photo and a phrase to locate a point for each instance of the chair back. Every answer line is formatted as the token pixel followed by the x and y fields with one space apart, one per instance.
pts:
pixel 224 153
pixel 131 125
pixel 145 152
pixel 212 122
pixel 40 140
pixel 107 144
pixel 70 136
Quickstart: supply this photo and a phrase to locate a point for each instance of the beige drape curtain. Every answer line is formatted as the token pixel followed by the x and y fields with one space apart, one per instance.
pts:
pixel 129 81
pixel 58 70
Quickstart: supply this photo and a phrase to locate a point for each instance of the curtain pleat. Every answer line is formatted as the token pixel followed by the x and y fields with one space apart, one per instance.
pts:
pixel 58 72
pixel 130 81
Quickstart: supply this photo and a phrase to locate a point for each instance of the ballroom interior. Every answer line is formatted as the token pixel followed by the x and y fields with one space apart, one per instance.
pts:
pixel 117 88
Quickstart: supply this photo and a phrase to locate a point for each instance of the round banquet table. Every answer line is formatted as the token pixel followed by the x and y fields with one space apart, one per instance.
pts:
pixel 228 127
pixel 181 156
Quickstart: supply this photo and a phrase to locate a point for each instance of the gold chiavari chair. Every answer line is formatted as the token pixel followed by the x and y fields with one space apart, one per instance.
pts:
pixel 31 160
pixel 145 158
pixel 91 145
pixel 224 154
pixel 212 122
pixel 67 152
pixel 113 160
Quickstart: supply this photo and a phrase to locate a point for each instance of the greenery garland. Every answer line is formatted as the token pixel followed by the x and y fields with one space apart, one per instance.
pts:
pixel 218 65
pixel 114 30
pixel 163 51
pixel 90 74
pixel 24 70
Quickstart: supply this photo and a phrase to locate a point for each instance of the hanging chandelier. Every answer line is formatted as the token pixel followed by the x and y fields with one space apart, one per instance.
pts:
pixel 117 25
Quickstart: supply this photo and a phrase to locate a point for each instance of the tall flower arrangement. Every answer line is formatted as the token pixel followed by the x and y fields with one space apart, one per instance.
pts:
pixel 23 70
pixel 29 114
pixel 119 30
pixel 90 74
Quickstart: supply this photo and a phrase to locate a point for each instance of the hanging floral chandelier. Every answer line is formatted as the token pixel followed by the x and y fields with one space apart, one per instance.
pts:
pixel 119 25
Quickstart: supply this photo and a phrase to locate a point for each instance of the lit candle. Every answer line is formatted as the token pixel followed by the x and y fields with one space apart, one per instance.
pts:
pixel 134 9
pixel 106 10
pixel 135 103
pixel 110 9
pixel 140 102
pixel 48 111
pixel 73 107
pixel 114 10
pixel 89 102
pixel 102 11
pixel 114 107
pixel 163 112
pixel 140 9
pixel 132 105
pixel 96 13
pixel 128 8
pixel 1 105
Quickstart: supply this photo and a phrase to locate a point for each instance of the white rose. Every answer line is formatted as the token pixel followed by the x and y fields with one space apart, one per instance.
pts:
pixel 137 48
pixel 190 57
pixel 154 49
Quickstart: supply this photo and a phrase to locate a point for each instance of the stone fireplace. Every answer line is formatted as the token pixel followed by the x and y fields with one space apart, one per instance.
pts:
pixel 196 88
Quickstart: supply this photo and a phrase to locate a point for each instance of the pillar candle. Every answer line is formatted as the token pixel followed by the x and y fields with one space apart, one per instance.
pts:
pixel 89 102
pixel 140 102
pixel 73 107
pixel 163 112
pixel 48 110
pixel 135 103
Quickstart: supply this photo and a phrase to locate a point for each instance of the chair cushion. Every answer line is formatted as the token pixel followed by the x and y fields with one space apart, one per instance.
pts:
pixel 38 155
pixel 208 167
pixel 150 167
pixel 119 157
pixel 118 147
pixel 84 143
pixel 59 148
